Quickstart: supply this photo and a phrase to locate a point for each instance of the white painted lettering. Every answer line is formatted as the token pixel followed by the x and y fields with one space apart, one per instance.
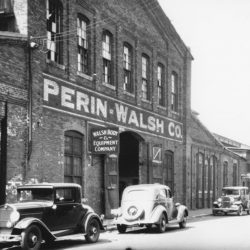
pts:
pixel 160 126
pixel 50 88
pixel 151 123
pixel 101 107
pixel 67 97
pixel 82 101
pixel 142 125
pixel 121 113
pixel 171 128
pixel 133 119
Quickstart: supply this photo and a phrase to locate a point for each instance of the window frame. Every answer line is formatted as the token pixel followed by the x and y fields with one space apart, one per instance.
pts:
pixel 174 91
pixel 54 17
pixel 145 74
pixel 83 54
pixel 107 58
pixel 127 68
pixel 160 84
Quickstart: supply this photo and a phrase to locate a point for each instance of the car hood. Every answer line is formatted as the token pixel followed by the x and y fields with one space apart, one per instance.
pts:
pixel 31 205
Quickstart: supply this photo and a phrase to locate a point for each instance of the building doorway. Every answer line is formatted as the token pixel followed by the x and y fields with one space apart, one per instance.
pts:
pixel 128 160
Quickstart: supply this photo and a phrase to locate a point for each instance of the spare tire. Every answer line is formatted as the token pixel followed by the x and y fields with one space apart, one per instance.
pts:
pixel 133 212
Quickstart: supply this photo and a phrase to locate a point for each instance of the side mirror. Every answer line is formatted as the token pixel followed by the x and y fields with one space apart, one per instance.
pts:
pixel 54 207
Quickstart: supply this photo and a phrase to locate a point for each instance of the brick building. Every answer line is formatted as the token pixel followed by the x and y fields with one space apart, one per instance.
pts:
pixel 69 68
pixel 82 65
pixel 212 165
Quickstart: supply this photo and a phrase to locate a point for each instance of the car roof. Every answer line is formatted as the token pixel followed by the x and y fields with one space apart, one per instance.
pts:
pixel 235 187
pixel 147 186
pixel 50 185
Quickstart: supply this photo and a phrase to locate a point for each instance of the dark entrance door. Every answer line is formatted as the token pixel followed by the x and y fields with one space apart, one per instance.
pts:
pixel 128 161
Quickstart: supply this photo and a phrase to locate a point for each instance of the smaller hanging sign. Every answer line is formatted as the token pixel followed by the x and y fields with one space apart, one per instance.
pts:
pixel 105 140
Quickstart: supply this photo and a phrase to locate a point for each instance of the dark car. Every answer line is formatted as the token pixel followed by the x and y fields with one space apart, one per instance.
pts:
pixel 149 205
pixel 233 200
pixel 44 212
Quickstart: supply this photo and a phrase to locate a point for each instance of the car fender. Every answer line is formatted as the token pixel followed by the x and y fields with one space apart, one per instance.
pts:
pixel 26 222
pixel 157 212
pixel 182 211
pixel 90 216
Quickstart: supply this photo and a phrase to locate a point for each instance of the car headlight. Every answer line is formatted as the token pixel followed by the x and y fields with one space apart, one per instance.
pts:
pixel 220 200
pixel 14 216
pixel 132 211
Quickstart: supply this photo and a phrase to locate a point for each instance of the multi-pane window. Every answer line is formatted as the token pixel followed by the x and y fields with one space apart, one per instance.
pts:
pixel 127 68
pixel 145 78
pixel 225 173
pixel 73 157
pixel 160 84
pixel 174 92
pixel 107 57
pixel 54 31
pixel 82 43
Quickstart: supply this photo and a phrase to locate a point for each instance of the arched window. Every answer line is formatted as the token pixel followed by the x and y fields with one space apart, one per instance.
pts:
pixel 54 31
pixel 82 44
pixel 225 173
pixel 127 68
pixel 199 180
pixel 174 91
pixel 73 155
pixel 107 57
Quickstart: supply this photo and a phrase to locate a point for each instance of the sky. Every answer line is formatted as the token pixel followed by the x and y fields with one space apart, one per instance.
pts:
pixel 218 34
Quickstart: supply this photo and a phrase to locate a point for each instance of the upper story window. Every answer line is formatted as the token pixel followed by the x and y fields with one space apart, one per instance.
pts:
pixel 160 84
pixel 54 31
pixel 127 68
pixel 225 174
pixel 82 43
pixel 174 92
pixel 145 77
pixel 107 57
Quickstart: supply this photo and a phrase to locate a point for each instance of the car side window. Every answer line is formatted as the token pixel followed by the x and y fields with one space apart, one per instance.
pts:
pixel 168 193
pixel 65 195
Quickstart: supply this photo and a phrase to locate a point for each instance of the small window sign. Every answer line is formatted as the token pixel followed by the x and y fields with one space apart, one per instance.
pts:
pixel 157 154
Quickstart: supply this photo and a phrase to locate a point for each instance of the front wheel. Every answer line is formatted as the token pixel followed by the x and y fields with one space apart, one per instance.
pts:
pixel 183 223
pixel 240 210
pixel 93 231
pixel 161 227
pixel 121 228
pixel 31 238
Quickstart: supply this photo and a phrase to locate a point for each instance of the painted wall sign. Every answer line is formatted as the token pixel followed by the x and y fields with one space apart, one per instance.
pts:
pixel 105 140
pixel 66 96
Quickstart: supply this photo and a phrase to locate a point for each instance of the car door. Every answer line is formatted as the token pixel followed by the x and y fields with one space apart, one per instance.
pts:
pixel 170 205
pixel 67 210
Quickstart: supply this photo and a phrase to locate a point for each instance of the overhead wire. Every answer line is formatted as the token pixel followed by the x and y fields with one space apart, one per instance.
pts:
pixel 94 24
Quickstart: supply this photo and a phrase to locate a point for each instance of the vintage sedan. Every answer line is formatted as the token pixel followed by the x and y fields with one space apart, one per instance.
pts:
pixel 149 205
pixel 233 200
pixel 44 212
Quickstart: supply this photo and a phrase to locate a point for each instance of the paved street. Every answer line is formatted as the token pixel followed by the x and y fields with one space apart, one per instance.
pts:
pixel 209 232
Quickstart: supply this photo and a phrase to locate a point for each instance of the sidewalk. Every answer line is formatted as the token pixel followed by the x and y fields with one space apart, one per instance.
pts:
pixel 107 223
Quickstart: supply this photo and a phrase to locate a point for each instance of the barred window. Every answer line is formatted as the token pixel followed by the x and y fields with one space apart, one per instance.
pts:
pixel 82 44
pixel 54 31
pixel 73 157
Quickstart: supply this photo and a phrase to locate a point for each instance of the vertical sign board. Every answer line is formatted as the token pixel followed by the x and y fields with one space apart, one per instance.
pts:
pixel 105 140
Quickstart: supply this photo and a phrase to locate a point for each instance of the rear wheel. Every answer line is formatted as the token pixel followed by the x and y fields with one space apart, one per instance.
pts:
pixel 161 227
pixel 31 238
pixel 93 231
pixel 121 228
pixel 183 223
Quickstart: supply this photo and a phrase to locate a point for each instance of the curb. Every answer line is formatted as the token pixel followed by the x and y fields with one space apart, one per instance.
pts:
pixel 112 227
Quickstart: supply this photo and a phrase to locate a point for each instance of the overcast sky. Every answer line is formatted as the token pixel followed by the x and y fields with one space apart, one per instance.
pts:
pixel 218 33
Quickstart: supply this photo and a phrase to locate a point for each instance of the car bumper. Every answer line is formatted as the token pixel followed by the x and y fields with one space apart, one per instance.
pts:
pixel 9 238
pixel 226 209
pixel 122 221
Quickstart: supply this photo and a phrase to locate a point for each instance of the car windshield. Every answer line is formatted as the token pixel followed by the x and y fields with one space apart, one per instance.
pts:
pixel 45 194
pixel 135 195
pixel 226 192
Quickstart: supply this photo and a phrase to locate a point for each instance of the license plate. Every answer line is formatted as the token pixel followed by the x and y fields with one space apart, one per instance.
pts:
pixel 4 237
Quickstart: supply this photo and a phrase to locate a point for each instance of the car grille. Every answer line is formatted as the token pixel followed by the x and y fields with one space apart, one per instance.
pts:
pixel 225 202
